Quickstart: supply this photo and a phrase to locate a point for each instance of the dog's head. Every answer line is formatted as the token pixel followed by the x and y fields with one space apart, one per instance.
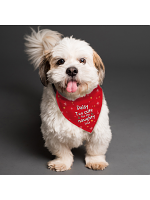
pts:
pixel 70 64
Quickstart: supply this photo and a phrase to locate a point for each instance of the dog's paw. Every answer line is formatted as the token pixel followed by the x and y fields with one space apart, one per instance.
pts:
pixel 97 165
pixel 96 162
pixel 57 165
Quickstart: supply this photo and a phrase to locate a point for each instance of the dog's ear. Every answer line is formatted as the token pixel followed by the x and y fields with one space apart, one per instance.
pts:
pixel 44 67
pixel 99 66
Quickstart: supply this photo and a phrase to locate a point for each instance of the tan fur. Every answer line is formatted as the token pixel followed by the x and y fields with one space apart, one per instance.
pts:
pixel 99 66
pixel 53 63
pixel 57 166
pixel 97 165
pixel 82 87
pixel 46 52
pixel 44 67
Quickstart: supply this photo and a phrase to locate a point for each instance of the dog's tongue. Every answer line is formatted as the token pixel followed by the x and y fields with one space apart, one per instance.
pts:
pixel 71 86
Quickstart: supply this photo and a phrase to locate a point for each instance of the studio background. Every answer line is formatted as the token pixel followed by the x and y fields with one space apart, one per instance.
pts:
pixel 125 51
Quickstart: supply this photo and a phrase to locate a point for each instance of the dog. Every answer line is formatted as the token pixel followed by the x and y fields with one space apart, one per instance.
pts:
pixel 70 69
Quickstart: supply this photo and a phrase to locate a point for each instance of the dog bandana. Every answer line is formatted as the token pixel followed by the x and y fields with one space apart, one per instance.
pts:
pixel 84 111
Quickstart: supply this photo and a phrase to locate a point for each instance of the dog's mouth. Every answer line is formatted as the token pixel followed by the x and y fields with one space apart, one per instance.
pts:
pixel 72 86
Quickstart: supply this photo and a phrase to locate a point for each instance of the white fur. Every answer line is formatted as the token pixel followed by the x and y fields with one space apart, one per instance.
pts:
pixel 38 42
pixel 61 135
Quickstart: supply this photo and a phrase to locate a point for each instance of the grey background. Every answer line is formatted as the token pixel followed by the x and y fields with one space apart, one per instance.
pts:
pixel 125 51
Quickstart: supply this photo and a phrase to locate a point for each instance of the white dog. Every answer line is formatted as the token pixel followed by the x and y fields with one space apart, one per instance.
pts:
pixel 69 68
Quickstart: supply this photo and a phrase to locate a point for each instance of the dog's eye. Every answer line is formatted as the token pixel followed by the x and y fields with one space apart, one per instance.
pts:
pixel 82 60
pixel 60 62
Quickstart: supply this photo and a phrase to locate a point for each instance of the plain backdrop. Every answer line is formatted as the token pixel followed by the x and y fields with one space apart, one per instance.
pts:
pixel 125 51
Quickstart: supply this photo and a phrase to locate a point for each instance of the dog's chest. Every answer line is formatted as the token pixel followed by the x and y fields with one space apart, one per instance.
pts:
pixel 56 125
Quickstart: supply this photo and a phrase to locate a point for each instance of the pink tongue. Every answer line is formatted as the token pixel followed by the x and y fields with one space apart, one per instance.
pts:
pixel 72 86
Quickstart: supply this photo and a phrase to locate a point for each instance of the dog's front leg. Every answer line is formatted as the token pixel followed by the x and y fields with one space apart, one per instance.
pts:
pixel 64 157
pixel 96 149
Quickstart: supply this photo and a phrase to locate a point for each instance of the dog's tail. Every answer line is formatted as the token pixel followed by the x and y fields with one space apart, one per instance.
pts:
pixel 38 42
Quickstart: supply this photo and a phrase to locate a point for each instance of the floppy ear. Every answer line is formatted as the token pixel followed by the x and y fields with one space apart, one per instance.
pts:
pixel 44 67
pixel 99 66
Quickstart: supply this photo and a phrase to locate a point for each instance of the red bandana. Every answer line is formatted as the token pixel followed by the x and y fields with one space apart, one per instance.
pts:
pixel 84 111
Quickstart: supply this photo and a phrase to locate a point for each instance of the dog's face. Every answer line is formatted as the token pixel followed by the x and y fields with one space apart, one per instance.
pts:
pixel 73 67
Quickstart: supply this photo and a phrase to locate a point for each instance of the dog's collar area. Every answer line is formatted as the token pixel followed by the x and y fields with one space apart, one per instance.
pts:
pixel 54 88
pixel 84 111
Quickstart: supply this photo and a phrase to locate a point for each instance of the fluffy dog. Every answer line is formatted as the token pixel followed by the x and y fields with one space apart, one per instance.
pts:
pixel 71 68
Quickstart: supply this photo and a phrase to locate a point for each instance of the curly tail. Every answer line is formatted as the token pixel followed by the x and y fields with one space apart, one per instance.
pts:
pixel 38 42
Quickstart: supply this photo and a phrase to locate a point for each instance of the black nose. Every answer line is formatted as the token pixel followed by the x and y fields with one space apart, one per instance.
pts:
pixel 71 71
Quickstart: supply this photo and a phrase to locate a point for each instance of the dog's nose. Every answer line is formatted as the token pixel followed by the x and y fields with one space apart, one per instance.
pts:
pixel 71 71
